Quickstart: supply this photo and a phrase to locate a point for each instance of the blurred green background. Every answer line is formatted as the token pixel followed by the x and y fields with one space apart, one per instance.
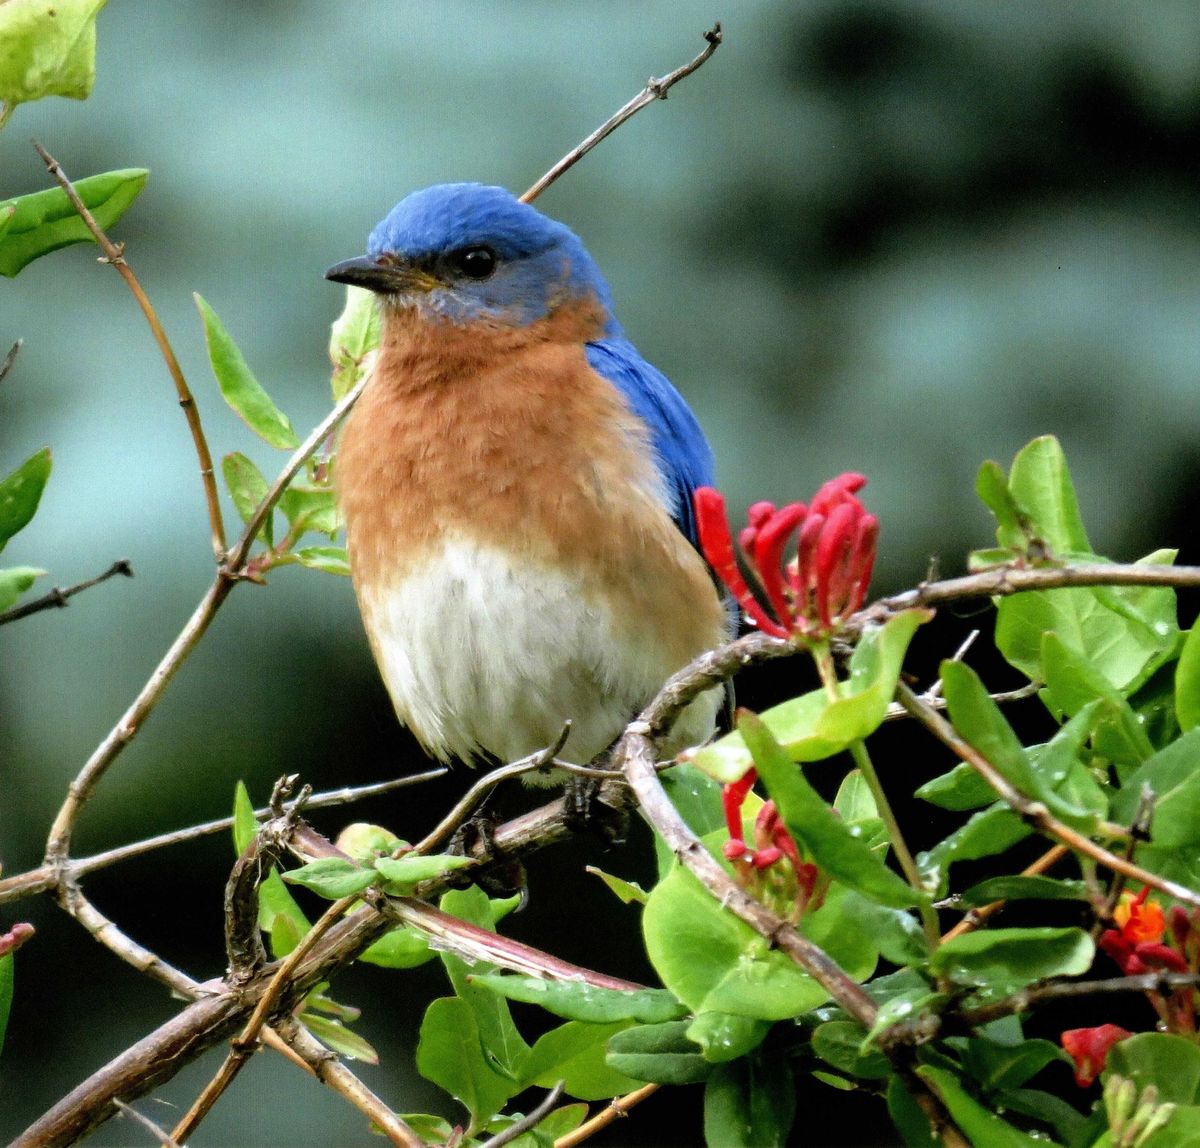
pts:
pixel 897 237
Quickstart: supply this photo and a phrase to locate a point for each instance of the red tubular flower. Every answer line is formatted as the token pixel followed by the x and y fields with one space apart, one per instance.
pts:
pixel 733 797
pixel 1088 1048
pixel 827 580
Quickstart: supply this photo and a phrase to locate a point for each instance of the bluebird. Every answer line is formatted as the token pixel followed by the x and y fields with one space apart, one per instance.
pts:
pixel 516 483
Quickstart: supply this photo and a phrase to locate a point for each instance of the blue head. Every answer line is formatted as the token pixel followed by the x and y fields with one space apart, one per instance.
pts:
pixel 466 252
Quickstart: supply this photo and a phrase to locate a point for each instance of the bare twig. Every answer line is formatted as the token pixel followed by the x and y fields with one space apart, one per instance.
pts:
pixel 1005 580
pixel 42 878
pixel 163 1137
pixel 933 698
pixel 71 898
pixel 331 1072
pixel 247 1041
pixel 614 1110
pixel 473 798
pixel 531 1120
pixel 10 358
pixel 1034 812
pixel 59 596
pixel 654 90
pixel 115 255
pixel 976 917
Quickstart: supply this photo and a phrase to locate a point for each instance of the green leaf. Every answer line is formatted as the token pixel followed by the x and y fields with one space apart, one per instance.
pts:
pixel 912 1124
pixel 14 581
pixel 402 948
pixel 978 718
pixel 991 484
pixel 450 1054
pixel 575 1053
pixel 354 334
pixel 502 1045
pixel 1187 681
pixel 840 1043
pixel 1127 631
pixel 46 220
pixel 240 389
pixel 332 877
pixel 310 508
pixel 330 559
pixel 626 892
pixel 1171 1063
pixel 714 962
pixel 980 1125
pixel 245 823
pixel 20 493
pixel 47 49
pixel 1002 1066
pixel 1041 486
pixel 658 1052
pixel 1023 889
pixel 750 1103
pixel 403 874
pixel 990 831
pixel 6 992
pixel 247 487
pixel 575 1000
pixel 811 727
pixel 1172 777
pixel 1000 961
pixel 335 1035
pixel 960 789
pixel 725 1036
pixel 896 933
pixel 831 842
pixel 1070 1126
pixel 854 801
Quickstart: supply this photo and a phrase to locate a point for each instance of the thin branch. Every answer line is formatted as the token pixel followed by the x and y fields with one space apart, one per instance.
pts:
pixel 59 597
pixel 59 840
pixel 44 877
pixel 474 797
pixel 1022 1001
pixel 115 255
pixel 976 917
pixel 10 358
pixel 1005 580
pixel 163 1137
pixel 654 90
pixel 104 930
pixel 330 1071
pixel 617 1108
pixel 530 1120
pixel 1034 812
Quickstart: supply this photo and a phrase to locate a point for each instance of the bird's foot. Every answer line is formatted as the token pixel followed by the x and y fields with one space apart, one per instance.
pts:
pixel 593 805
pixel 498 874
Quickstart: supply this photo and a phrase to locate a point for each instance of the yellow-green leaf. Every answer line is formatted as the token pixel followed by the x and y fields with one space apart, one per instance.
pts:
pixel 47 48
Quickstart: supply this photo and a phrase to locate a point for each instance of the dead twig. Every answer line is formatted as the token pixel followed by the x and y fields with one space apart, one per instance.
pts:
pixel 114 254
pixel 59 597
pixel 614 1110
pixel 654 90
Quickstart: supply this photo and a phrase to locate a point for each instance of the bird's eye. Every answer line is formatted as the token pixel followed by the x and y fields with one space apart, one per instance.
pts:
pixel 474 262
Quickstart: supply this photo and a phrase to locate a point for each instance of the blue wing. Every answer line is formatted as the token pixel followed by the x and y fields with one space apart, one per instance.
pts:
pixel 683 454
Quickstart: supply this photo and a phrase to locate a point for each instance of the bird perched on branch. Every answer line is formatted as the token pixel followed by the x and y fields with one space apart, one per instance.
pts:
pixel 516 483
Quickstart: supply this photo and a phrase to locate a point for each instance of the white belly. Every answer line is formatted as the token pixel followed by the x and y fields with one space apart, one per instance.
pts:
pixel 482 655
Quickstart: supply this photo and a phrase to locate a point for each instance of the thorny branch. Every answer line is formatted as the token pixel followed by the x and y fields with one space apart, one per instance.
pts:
pixel 59 597
pixel 9 359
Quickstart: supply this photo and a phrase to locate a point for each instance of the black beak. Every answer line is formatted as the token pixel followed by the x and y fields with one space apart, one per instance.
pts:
pixel 362 272
pixel 389 278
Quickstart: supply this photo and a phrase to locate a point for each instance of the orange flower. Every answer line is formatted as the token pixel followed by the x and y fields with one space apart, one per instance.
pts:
pixel 1140 920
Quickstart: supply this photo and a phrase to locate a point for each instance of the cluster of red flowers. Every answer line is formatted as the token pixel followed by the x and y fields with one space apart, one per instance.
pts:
pixel 826 581
pixel 773 867
pixel 1137 946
